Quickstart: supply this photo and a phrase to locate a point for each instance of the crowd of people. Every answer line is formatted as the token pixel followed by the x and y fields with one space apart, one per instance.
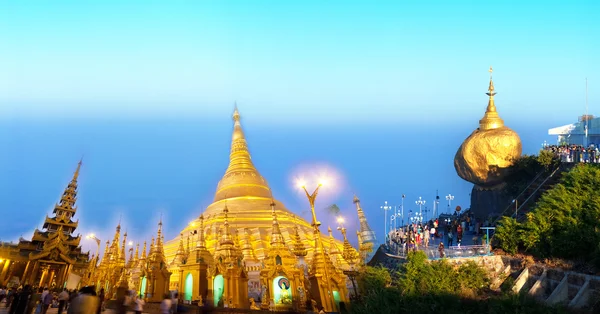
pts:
pixel 419 235
pixel 29 300
pixel 575 153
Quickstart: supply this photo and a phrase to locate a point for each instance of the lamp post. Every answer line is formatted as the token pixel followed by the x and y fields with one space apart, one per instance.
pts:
pixel 420 202
pixel 449 198
pixel 93 237
pixel 516 201
pixel 403 197
pixel 436 205
pixel 385 208
pixel 319 243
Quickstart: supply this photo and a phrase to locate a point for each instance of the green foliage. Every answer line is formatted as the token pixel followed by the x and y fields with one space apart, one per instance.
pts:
pixel 373 279
pixel 506 235
pixel 472 277
pixel 548 159
pixel 564 223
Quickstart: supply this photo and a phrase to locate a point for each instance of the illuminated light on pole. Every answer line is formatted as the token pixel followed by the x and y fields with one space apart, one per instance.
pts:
pixel 449 198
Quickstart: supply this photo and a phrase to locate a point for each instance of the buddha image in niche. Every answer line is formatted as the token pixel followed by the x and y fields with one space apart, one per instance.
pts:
pixel 284 285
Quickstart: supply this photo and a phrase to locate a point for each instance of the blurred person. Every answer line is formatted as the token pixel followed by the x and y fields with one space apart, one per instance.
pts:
pixel 165 305
pixel 63 298
pixel 86 302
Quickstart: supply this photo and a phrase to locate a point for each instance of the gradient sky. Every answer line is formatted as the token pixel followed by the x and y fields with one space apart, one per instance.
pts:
pixel 382 91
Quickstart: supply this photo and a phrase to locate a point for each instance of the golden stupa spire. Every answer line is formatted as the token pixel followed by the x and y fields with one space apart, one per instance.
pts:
pixel 152 248
pixel 348 252
pixel 241 177
pixel 106 255
pixel 137 251
pixel 247 249
pixel 122 256
pixel 299 248
pixel 201 241
pixel 491 119
pixel 366 232
pixel 226 237
pixel 333 249
pixel 144 251
pixel 76 174
pixel 276 236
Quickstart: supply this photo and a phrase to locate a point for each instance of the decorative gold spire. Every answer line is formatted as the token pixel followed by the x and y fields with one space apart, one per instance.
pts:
pixel 348 253
pixel 247 249
pixel 276 236
pixel 333 249
pixel 241 177
pixel 367 233
pixel 491 119
pixel 144 252
pixel 226 237
pixel 106 256
pixel 201 241
pixel 122 256
pixel 299 248
pixel 137 251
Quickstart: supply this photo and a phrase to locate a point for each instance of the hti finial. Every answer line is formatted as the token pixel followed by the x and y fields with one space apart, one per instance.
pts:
pixel 491 87
pixel 236 113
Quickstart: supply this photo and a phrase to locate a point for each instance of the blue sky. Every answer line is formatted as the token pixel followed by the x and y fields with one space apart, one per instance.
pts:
pixel 385 91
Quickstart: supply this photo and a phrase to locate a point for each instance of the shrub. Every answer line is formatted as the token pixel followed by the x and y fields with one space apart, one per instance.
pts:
pixel 473 277
pixel 506 236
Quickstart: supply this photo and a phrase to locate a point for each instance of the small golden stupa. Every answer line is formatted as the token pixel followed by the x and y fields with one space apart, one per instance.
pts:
pixel 489 150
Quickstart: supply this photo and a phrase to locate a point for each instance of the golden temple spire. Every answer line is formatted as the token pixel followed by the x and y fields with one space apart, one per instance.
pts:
pixel 241 177
pixel 144 252
pixel 106 255
pixel 299 248
pixel 348 252
pixel 276 236
pixel 366 232
pixel 187 250
pixel 152 248
pixel 76 174
pixel 226 237
pixel 247 249
pixel 122 256
pixel 333 249
pixel 137 251
pixel 491 120
pixel 201 241
pixel 159 236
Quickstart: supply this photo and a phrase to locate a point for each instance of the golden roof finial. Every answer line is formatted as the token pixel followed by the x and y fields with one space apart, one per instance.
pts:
pixel 491 119
pixel 276 236
pixel 76 174
pixel 241 177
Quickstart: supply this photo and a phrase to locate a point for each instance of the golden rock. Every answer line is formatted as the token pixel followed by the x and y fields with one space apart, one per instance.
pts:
pixel 484 156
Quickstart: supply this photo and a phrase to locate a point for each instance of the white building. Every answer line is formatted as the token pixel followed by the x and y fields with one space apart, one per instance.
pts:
pixel 575 133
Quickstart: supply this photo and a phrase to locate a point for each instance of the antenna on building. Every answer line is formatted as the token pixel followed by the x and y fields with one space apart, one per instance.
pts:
pixel 586 113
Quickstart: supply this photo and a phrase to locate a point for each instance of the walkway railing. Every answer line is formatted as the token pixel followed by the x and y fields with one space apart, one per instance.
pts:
pixel 400 251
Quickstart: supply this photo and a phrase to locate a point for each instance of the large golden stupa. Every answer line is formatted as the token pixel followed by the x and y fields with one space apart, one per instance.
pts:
pixel 241 219
pixel 484 156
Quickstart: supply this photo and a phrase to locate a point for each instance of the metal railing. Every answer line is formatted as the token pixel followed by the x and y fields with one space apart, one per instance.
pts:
pixel 401 251
pixel 536 190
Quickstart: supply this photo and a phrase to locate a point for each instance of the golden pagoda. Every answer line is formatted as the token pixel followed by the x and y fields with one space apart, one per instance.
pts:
pixel 250 205
pixel 53 252
pixel 484 156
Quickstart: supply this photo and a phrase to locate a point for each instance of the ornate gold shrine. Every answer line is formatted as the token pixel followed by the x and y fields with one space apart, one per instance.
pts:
pixel 248 199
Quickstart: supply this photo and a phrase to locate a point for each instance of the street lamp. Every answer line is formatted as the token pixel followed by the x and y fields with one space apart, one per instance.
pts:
pixel 436 206
pixel 516 201
pixel 418 217
pixel 420 202
pixel 93 237
pixel 403 197
pixel 319 243
pixel 449 198
pixel 385 209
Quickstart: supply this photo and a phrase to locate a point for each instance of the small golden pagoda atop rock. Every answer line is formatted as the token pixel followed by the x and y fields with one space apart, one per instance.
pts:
pixel 484 156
